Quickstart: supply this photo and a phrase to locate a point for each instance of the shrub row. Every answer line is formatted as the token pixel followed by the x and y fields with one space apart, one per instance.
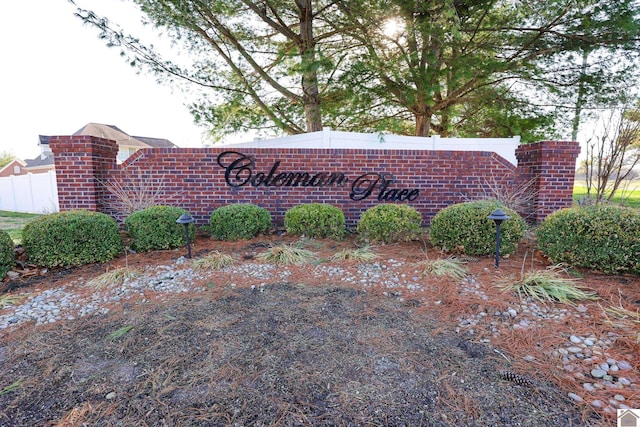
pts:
pixel 81 237
pixel 605 238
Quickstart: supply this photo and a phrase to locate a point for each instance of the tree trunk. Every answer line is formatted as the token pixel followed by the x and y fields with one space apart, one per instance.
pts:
pixel 580 101
pixel 310 92
pixel 423 124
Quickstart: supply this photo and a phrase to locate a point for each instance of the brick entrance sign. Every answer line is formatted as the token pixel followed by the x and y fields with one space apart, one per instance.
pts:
pixel 278 179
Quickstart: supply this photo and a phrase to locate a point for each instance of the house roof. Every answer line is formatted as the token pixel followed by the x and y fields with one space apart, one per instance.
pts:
pixel 155 142
pixel 41 161
pixel 118 135
pixel 11 164
pixel 110 132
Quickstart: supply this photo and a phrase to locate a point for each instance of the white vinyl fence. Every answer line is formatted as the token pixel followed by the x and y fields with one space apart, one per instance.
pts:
pixel 31 193
pixel 327 138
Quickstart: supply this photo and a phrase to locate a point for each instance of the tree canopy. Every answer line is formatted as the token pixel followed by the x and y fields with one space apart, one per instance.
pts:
pixel 6 158
pixel 451 67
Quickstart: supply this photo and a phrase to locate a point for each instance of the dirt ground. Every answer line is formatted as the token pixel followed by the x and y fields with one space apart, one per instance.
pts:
pixel 310 350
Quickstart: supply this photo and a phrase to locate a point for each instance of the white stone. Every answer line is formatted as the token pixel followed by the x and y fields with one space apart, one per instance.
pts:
pixel 575 397
pixel 574 339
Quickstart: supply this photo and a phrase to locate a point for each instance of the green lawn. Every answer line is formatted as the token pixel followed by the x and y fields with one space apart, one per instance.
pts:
pixel 12 223
pixel 630 197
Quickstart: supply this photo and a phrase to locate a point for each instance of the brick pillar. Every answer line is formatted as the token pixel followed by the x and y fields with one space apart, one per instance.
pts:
pixel 551 165
pixel 81 162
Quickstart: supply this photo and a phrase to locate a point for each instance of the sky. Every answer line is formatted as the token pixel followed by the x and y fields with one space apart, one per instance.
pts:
pixel 57 75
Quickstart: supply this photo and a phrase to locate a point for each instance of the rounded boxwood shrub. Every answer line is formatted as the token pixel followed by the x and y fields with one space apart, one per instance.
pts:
pixel 604 238
pixel 7 254
pixel 315 220
pixel 464 227
pixel 239 221
pixel 71 238
pixel 155 228
pixel 390 223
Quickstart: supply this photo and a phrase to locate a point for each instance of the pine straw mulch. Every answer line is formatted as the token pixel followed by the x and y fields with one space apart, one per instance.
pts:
pixel 310 351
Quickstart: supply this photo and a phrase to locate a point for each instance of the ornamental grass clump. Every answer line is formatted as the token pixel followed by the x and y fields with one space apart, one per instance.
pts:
pixel 389 223
pixel 360 255
pixel 465 228
pixel 71 238
pixel 315 220
pixel 216 260
pixel 7 254
pixel 117 276
pixel 240 221
pixel 449 267
pixel 603 238
pixel 548 286
pixel 155 228
pixel 286 255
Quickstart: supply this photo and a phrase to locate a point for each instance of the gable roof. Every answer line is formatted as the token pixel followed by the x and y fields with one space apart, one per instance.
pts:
pixel 11 164
pixel 110 132
pixel 118 135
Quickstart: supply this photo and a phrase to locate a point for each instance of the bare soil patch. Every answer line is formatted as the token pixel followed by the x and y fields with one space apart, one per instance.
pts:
pixel 310 350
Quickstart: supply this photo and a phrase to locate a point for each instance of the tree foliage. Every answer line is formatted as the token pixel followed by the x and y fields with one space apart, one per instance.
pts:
pixel 6 158
pixel 452 67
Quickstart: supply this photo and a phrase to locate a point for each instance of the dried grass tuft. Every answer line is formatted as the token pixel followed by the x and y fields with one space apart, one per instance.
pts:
pixel 548 286
pixel 7 300
pixel 361 255
pixel 132 191
pixel 214 261
pixel 450 267
pixel 114 277
pixel 287 254
pixel 622 318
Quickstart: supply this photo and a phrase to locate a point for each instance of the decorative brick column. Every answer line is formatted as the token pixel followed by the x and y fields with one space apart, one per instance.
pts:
pixel 551 165
pixel 81 162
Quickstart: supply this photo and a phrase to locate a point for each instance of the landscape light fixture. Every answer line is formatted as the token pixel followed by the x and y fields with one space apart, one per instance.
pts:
pixel 186 219
pixel 498 216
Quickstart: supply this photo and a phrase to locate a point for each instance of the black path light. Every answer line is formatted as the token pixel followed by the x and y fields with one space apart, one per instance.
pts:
pixel 186 219
pixel 498 216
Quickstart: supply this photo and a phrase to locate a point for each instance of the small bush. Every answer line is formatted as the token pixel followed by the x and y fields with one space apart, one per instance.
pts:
pixel 155 228
pixel 71 238
pixel 239 221
pixel 390 223
pixel 7 255
pixel 464 227
pixel 315 220
pixel 604 238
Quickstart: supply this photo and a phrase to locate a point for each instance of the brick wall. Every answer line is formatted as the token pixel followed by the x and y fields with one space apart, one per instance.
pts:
pixel 199 180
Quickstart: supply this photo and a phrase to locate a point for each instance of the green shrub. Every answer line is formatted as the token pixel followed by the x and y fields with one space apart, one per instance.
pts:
pixel 604 238
pixel 71 238
pixel 390 223
pixel 7 254
pixel 155 228
pixel 464 227
pixel 239 221
pixel 315 220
